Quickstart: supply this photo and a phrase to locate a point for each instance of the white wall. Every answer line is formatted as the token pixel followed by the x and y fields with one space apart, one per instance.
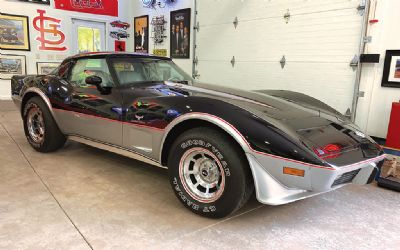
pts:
pixel 373 111
pixel 35 55
pixel 137 9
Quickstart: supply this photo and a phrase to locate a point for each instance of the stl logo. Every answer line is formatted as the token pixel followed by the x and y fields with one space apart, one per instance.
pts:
pixel 49 30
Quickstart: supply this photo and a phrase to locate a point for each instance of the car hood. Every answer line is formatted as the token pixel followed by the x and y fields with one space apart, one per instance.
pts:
pixel 262 103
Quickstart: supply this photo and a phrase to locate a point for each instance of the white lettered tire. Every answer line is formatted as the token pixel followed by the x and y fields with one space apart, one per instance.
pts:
pixel 209 173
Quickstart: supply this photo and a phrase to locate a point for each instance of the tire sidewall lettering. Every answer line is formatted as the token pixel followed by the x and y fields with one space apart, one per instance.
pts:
pixel 193 142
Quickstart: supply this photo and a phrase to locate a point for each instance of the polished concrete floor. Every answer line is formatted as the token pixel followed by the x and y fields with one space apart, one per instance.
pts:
pixel 82 198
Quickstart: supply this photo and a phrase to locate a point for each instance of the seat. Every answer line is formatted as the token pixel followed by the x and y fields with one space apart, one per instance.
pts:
pixel 130 76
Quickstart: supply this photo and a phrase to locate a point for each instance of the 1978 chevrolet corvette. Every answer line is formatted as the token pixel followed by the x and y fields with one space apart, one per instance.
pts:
pixel 219 144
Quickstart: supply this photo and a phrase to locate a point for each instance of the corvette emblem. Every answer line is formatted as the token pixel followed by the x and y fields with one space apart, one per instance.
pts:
pixel 139 117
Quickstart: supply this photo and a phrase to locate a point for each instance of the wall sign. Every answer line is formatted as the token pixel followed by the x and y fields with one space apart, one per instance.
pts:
pixel 120 24
pixel 99 7
pixel 160 52
pixel 14 32
pixel 148 3
pixel 391 70
pixel 50 37
pixel 142 34
pixel 180 34
pixel 12 65
pixel 158 23
pixel 120 45
pixel 119 34
pixel 157 3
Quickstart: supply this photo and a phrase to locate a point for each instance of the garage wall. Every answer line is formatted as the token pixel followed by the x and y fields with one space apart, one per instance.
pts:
pixel 33 56
pixel 137 9
pixel 318 42
pixel 373 111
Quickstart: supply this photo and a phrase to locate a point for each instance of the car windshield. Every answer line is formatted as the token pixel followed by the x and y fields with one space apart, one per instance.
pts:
pixel 133 70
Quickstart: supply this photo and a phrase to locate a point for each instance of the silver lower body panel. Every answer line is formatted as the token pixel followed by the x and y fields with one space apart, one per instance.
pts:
pixel 277 188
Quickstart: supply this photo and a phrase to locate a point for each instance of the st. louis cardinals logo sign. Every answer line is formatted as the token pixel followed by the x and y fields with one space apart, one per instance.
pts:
pixel 50 38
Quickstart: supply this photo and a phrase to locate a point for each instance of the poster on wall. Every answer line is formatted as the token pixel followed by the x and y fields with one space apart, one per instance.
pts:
pixel 120 45
pixel 99 7
pixel 12 65
pixel 45 68
pixel 391 70
pixel 14 32
pixel 180 33
pixel 141 34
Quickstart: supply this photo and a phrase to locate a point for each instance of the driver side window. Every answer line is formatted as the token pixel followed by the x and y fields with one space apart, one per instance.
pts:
pixel 90 67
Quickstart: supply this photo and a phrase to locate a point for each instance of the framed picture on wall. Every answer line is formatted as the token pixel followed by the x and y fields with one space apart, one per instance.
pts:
pixel 45 68
pixel 141 34
pixel 14 32
pixel 12 65
pixel 180 33
pixel 46 2
pixel 391 70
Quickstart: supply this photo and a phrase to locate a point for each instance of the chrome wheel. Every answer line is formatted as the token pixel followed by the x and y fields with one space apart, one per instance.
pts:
pixel 35 124
pixel 202 175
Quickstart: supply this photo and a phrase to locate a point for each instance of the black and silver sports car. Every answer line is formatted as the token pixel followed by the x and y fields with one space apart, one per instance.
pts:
pixel 219 144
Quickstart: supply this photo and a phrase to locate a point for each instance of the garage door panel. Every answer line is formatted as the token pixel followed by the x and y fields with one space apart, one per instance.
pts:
pixel 217 12
pixel 318 43
pixel 315 79
pixel 263 41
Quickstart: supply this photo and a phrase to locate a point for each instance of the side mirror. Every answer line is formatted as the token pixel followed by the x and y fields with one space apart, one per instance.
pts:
pixel 93 80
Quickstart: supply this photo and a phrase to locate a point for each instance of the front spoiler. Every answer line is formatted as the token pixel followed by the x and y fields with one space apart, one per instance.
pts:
pixel 275 188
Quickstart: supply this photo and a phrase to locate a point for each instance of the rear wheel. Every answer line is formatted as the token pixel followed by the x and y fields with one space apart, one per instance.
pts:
pixel 208 173
pixel 40 128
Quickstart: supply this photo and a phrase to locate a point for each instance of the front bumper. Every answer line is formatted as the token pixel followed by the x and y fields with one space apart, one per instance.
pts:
pixel 275 188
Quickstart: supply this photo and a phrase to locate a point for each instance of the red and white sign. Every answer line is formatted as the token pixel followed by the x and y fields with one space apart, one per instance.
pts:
pixel 120 46
pixel 50 37
pixel 99 7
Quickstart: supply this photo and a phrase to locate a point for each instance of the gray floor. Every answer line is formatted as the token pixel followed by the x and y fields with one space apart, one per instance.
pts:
pixel 82 198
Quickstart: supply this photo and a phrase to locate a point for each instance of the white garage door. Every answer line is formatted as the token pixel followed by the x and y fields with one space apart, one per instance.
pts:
pixel 318 40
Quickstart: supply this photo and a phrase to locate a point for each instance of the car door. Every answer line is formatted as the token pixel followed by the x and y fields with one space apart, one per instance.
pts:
pixel 146 107
pixel 144 113
pixel 89 111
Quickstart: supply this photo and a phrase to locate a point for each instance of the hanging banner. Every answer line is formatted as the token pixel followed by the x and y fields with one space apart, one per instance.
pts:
pixel 99 7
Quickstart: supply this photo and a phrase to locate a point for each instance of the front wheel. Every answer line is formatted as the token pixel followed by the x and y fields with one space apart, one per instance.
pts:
pixel 208 173
pixel 40 128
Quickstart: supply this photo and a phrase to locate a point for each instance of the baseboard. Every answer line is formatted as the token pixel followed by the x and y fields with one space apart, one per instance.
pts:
pixel 5 98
